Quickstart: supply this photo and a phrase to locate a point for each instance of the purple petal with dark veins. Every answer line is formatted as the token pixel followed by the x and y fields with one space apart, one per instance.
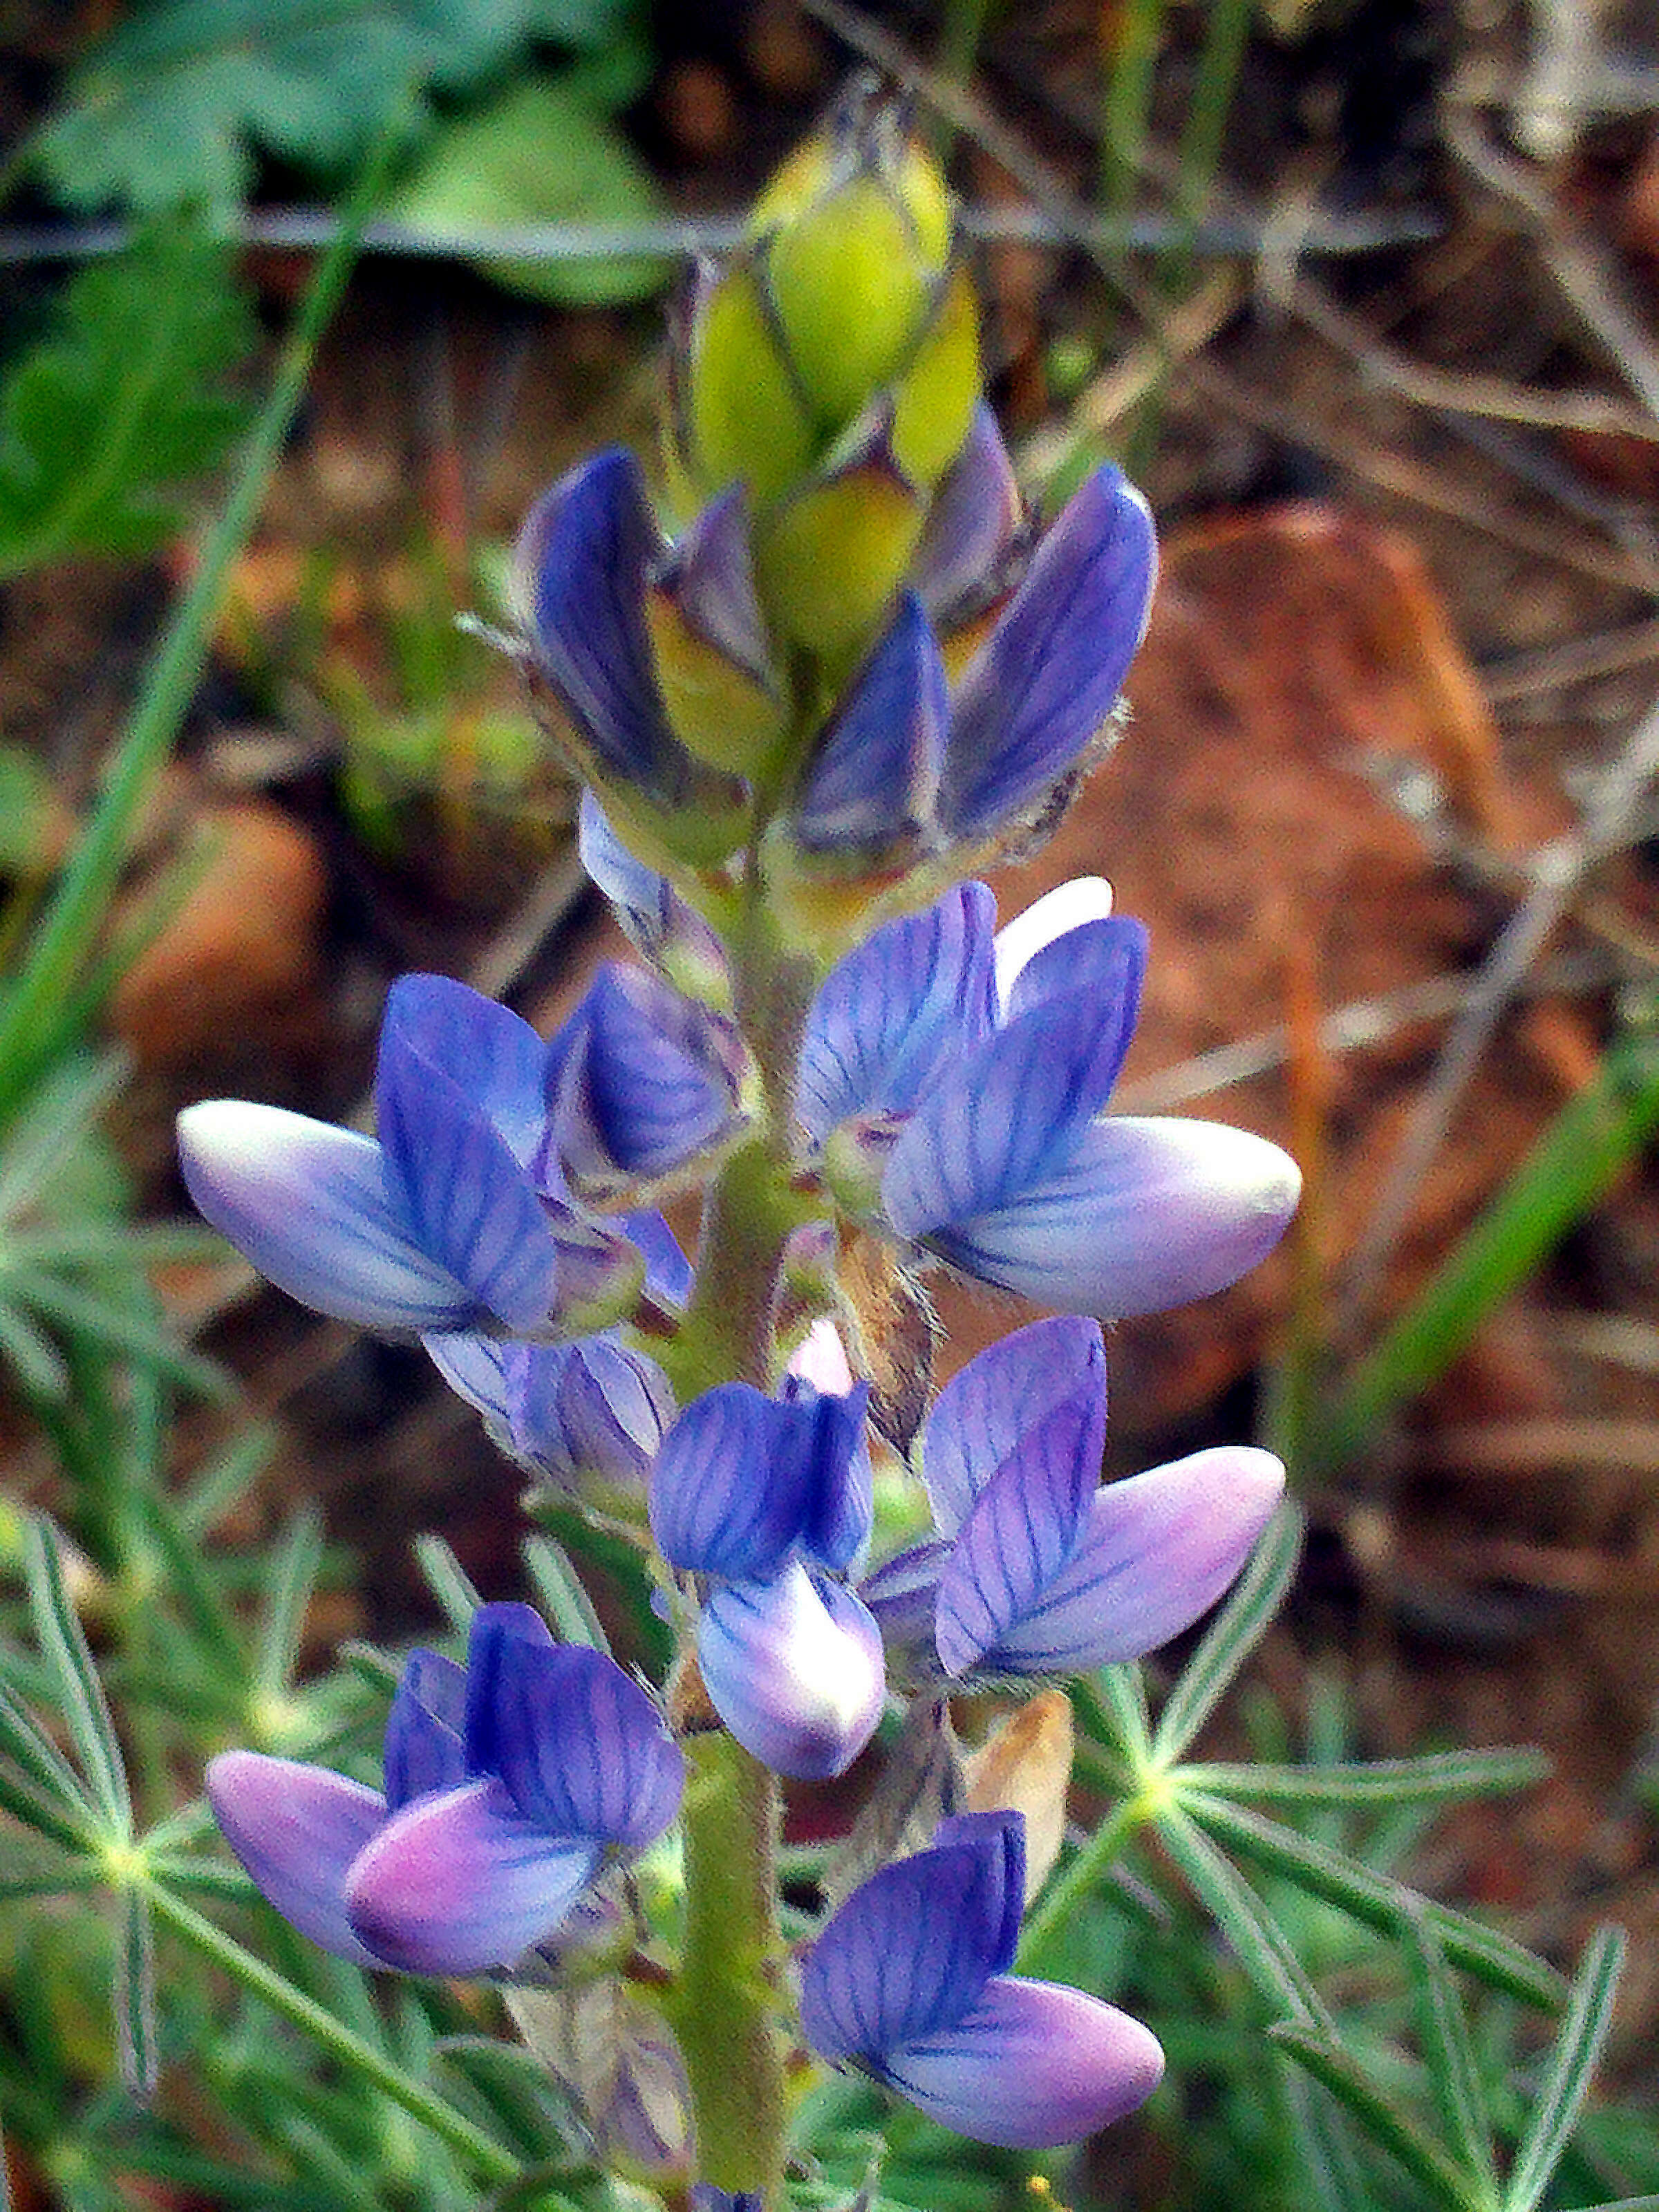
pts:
pixel 1155 1552
pixel 1021 1531
pixel 732 1488
pixel 1048 677
pixel 581 564
pixel 918 993
pixel 875 767
pixel 911 1950
pixel 1003 1119
pixel 1145 1215
pixel 984 1412
pixel 425 1731
pixel 436 1029
pixel 308 1204
pixel 580 1748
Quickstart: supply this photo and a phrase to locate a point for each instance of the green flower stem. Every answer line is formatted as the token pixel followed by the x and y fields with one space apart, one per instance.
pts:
pixel 724 2009
pixel 493 2165
pixel 33 1016
pixel 1045 1927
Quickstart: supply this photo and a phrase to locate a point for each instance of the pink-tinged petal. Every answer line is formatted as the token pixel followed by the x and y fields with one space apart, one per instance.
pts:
pixel 1033 2065
pixel 1069 906
pixel 982 1414
pixel 794 1668
pixel 307 1204
pixel 581 1750
pixel 1042 686
pixel 874 769
pixel 915 994
pixel 298 1830
pixel 1147 1214
pixel 460 1883
pixel 1023 1528
pixel 1157 1551
pixel 910 1952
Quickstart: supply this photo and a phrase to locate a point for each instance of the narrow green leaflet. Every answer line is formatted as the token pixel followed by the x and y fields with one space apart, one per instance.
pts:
pixel 294 1571
pixel 1566 2080
pixel 135 1993
pixel 1262 1949
pixel 170 109
pixel 37 1785
pixel 1443 2034
pixel 448 1581
pixel 1233 1635
pixel 107 421
pixel 1437 1778
pixel 1347 2078
pixel 63 1645
pixel 559 1587
pixel 1374 1900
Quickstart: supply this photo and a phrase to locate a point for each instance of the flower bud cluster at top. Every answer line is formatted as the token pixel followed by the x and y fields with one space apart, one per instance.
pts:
pixel 853 675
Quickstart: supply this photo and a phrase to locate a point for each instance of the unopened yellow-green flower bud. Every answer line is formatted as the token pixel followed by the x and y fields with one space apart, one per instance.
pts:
pixel 846 297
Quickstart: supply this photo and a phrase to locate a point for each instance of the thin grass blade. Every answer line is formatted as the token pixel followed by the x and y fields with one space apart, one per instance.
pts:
pixel 294 1567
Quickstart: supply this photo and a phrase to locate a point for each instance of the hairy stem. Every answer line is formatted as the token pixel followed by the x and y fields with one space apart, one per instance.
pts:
pixel 724 2010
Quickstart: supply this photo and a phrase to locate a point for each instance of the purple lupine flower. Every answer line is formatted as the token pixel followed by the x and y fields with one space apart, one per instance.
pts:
pixel 639 1083
pixel 508 1785
pixel 906 762
pixel 439 1225
pixel 956 1087
pixel 769 1500
pixel 583 560
pixel 1035 1570
pixel 587 1417
pixel 972 529
pixel 1044 684
pixel 908 1981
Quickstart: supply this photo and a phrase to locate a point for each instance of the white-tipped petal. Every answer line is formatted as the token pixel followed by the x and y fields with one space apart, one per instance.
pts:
pixel 306 1203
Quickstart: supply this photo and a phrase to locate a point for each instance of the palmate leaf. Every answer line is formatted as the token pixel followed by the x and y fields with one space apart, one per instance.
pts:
pixel 169 109
pixel 106 420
